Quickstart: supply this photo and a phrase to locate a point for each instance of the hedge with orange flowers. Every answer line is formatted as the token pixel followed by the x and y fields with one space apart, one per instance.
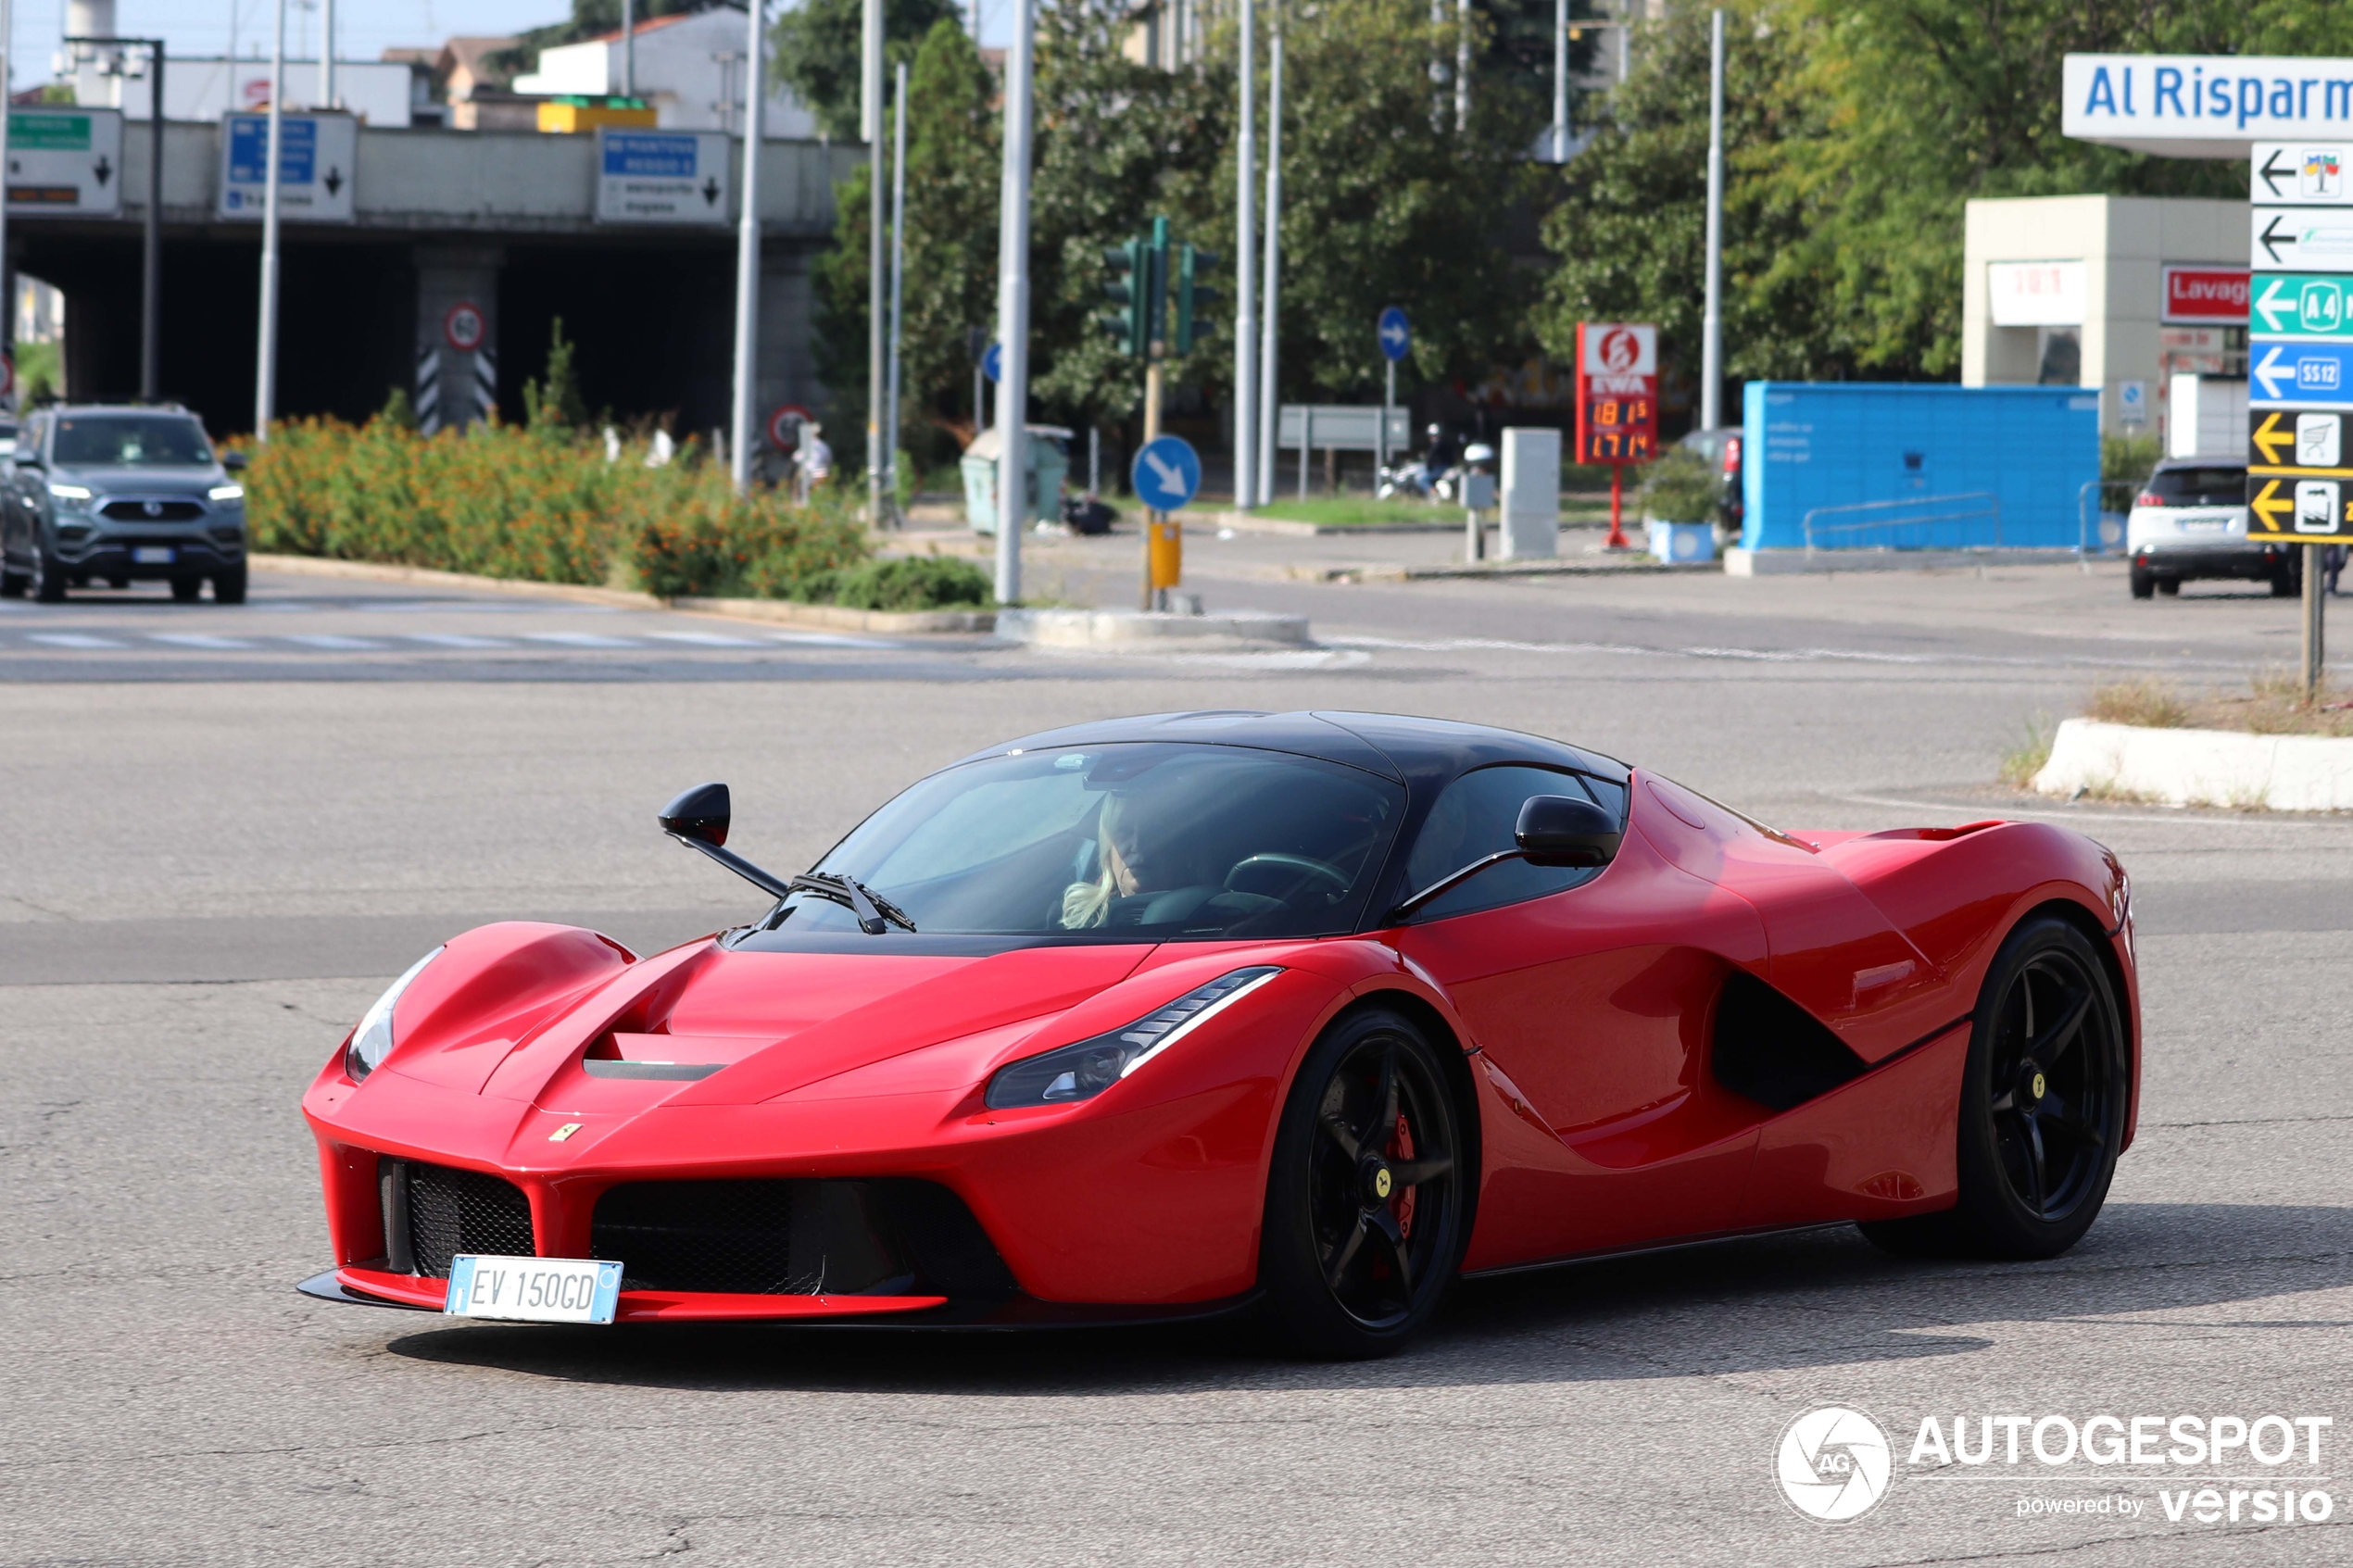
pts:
pixel 503 501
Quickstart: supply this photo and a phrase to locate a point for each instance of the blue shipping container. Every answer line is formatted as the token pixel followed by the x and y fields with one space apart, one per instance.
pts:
pixel 2025 450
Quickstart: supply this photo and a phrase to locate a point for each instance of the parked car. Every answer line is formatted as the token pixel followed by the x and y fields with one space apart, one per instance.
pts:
pixel 122 494
pixel 2189 522
pixel 1721 448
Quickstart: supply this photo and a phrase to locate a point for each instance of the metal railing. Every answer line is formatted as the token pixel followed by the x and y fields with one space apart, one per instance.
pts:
pixel 2091 523
pixel 1966 519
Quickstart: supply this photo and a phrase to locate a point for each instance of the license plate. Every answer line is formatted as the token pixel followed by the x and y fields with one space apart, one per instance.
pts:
pixel 2205 524
pixel 154 555
pixel 532 1290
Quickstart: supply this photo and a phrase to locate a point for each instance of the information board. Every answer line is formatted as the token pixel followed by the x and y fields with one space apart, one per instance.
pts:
pixel 318 155
pixel 64 162
pixel 2299 473
pixel 661 176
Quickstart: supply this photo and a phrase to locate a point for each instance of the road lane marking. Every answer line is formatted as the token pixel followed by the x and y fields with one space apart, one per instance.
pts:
pixel 333 640
pixel 198 640
pixel 456 639
pixel 709 639
pixel 72 640
pixel 583 640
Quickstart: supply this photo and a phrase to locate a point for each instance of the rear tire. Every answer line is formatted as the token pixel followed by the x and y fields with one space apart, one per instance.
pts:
pixel 2042 1105
pixel 2144 585
pixel 2169 586
pixel 2286 583
pixel 1368 1199
pixel 229 586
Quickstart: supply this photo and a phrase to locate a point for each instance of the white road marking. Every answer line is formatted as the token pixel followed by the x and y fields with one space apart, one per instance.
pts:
pixel 827 640
pixel 198 640
pixel 332 640
pixel 72 640
pixel 456 639
pixel 710 640
pixel 583 640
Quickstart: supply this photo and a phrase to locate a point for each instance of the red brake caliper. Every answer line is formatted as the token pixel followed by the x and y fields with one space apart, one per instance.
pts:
pixel 1402 1203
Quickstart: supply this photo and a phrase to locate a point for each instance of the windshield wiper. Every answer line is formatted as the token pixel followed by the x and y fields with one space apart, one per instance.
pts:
pixel 871 908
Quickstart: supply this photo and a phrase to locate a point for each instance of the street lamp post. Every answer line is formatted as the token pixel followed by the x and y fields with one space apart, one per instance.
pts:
pixel 748 257
pixel 151 234
pixel 1013 308
pixel 869 128
pixel 1245 281
pixel 1711 371
pixel 265 380
pixel 1270 299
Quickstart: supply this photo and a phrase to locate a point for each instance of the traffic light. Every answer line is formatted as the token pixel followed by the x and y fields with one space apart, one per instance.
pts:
pixel 1131 289
pixel 1192 296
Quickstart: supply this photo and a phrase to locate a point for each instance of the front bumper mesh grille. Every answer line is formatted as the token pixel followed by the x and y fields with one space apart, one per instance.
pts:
pixel 439 1211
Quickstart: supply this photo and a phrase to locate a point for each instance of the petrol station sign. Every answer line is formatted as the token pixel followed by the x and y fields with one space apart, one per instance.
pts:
pixel 1616 392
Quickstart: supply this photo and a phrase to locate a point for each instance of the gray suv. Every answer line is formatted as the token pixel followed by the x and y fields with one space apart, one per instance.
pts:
pixel 120 495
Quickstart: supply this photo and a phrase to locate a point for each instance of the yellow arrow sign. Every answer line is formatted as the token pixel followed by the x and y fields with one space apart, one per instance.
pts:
pixel 2271 507
pixel 2270 440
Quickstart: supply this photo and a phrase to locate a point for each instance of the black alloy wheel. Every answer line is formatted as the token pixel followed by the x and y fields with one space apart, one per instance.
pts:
pixel 2043 1104
pixel 48 576
pixel 1367 1203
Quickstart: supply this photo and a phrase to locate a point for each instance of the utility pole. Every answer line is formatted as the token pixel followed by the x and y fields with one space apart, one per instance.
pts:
pixel 870 131
pixel 1269 391
pixel 1560 81
pixel 265 394
pixel 1013 311
pixel 747 257
pixel 1711 353
pixel 1462 65
pixel 897 276
pixel 1245 283
pixel 327 54
pixel 8 273
pixel 628 49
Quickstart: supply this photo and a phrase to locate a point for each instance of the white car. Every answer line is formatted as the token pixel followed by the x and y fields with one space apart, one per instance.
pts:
pixel 2190 522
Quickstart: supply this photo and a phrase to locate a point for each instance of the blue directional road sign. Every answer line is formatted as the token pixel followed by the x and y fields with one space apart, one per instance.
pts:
pixel 1167 473
pixel 1395 337
pixel 2299 375
pixel 992 364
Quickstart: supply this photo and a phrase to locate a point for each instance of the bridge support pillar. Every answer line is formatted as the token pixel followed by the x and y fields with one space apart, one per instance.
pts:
pixel 457 374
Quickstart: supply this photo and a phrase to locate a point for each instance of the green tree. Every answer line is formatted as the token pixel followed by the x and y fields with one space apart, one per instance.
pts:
pixel 952 170
pixel 820 49
pixel 553 404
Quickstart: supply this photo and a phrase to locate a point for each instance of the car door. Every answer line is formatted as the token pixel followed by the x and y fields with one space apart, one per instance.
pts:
pixel 1588 994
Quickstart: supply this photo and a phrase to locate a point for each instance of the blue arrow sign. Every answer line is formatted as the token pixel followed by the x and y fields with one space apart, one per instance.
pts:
pixel 1167 473
pixel 992 364
pixel 1395 338
pixel 2299 375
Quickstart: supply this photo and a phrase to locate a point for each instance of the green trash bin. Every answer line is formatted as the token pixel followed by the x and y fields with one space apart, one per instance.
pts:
pixel 1047 461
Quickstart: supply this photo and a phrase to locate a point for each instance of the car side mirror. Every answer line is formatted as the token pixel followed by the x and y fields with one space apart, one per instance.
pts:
pixel 235 462
pixel 1560 830
pixel 700 815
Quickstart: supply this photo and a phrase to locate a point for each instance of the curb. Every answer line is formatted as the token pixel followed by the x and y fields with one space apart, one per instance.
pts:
pixel 2221 768
pixel 787 613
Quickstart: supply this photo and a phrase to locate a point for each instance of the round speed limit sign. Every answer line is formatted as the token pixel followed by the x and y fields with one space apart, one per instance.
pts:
pixel 784 426
pixel 464 327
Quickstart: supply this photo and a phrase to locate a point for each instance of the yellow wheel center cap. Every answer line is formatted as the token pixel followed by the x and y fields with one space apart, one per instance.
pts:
pixel 1381 1182
pixel 2039 1085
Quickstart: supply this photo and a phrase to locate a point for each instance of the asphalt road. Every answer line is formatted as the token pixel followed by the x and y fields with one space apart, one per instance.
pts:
pixel 215 855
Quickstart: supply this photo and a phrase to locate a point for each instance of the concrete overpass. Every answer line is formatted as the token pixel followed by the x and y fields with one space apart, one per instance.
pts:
pixel 503 221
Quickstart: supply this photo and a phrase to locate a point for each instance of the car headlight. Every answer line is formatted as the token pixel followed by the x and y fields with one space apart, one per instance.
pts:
pixel 70 497
pixel 371 1042
pixel 227 492
pixel 1086 1069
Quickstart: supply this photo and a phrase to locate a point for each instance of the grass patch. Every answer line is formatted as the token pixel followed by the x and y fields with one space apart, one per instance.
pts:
pixel 1359 512
pixel 2021 765
pixel 2148 703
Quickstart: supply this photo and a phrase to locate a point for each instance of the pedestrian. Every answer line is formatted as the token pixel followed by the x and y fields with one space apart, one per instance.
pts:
pixel 813 460
pixel 2332 565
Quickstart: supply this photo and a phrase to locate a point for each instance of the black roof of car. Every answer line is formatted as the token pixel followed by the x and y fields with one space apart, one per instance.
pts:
pixel 1414 751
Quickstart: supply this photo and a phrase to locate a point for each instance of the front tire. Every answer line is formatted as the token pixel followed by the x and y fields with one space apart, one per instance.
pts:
pixel 229 585
pixel 2042 1105
pixel 48 577
pixel 1367 1200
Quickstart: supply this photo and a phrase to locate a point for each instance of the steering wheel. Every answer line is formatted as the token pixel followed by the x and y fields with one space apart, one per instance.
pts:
pixel 1297 863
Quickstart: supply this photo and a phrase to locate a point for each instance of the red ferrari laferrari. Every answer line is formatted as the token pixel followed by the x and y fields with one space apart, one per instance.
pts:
pixel 1310 1013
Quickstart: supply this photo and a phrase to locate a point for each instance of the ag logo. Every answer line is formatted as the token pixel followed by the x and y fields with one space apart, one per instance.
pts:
pixel 1833 1464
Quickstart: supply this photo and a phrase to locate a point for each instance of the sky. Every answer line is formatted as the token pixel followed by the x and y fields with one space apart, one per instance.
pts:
pixel 364 28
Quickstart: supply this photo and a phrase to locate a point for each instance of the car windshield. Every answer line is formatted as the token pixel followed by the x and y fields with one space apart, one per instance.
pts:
pixel 2200 486
pixel 131 441
pixel 1123 842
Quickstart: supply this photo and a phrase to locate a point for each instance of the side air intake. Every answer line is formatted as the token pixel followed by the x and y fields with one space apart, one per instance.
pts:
pixel 1769 1050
